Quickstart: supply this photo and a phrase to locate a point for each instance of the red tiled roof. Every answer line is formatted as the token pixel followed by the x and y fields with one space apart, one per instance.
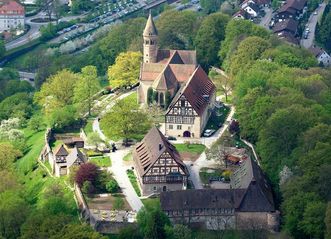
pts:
pixel 11 8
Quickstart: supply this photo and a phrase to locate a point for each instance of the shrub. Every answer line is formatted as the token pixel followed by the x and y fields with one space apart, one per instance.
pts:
pixel 112 186
pixel 86 172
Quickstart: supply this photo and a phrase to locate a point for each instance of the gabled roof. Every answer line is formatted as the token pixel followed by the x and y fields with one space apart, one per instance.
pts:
pixel 150 29
pixel 148 151
pixel 166 80
pixel 249 176
pixel 252 194
pixel 294 4
pixel 254 7
pixel 316 51
pixel 177 57
pixel 201 198
pixel 196 90
pixel 241 14
pixel 61 151
pixel 75 156
pixel 290 25
pixel 288 37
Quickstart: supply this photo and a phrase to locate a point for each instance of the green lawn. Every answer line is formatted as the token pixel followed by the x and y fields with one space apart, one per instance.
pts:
pixel 151 202
pixel 134 181
pixel 102 161
pixel 128 157
pixel 190 148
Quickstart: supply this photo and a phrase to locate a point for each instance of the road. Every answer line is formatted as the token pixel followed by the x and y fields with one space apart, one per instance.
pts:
pixel 312 22
pixel 267 18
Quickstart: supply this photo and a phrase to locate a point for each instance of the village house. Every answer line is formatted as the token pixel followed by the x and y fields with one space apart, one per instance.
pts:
pixel 174 80
pixel 292 9
pixel 323 58
pixel 158 165
pixel 241 14
pixel 11 15
pixel 247 205
pixel 287 30
pixel 252 9
pixel 64 158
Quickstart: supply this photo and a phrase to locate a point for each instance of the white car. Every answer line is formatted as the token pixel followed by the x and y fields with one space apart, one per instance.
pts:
pixel 208 132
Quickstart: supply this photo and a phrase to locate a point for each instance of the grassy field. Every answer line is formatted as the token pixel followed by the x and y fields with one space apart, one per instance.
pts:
pixel 34 177
pixel 190 148
pixel 133 180
pixel 102 161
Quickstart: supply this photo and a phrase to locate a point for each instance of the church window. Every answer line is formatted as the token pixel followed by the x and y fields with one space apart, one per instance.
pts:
pixel 146 42
pixel 171 126
pixel 179 127
pixel 182 103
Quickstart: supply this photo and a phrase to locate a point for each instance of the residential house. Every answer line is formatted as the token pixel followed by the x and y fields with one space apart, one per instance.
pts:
pixel 241 14
pixel 158 164
pixel 252 9
pixel 247 205
pixel 287 30
pixel 321 55
pixel 11 15
pixel 165 74
pixel 292 9
pixel 64 158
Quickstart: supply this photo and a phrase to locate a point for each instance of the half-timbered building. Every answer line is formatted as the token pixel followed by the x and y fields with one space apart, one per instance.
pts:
pixel 190 109
pixel 158 164
pixel 174 80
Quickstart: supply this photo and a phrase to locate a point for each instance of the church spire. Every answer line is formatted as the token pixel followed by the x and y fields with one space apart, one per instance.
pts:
pixel 150 29
pixel 150 41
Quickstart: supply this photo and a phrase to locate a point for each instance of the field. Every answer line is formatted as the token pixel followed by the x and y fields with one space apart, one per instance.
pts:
pixel 190 152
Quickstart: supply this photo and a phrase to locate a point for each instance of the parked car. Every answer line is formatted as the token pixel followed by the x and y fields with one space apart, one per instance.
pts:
pixel 171 138
pixel 208 132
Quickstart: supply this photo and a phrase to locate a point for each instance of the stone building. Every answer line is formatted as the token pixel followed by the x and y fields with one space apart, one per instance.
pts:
pixel 11 15
pixel 172 77
pixel 64 159
pixel 248 204
pixel 158 165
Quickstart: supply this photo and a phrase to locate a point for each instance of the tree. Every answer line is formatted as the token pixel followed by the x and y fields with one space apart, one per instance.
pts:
pixel 324 30
pixel 125 121
pixel 130 232
pixel 13 212
pixel 152 223
pixel 179 231
pixel 17 105
pixel 77 231
pixel 94 139
pixel 88 188
pixel 222 82
pixel 62 117
pixel 86 172
pixel 156 97
pixel 313 219
pixel 2 48
pixel 209 37
pixel 227 8
pixel 210 6
pixel 125 71
pixel 36 123
pixel 57 91
pixel 112 186
pixel 177 29
pixel 8 154
pixel 327 221
pixel 8 181
pixel 86 88
pixel 149 95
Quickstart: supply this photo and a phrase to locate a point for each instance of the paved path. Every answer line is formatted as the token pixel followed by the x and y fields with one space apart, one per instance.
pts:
pixel 118 168
pixel 311 24
pixel 201 162
pixel 267 18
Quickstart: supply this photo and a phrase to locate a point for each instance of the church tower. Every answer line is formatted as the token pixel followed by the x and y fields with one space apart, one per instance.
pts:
pixel 150 41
